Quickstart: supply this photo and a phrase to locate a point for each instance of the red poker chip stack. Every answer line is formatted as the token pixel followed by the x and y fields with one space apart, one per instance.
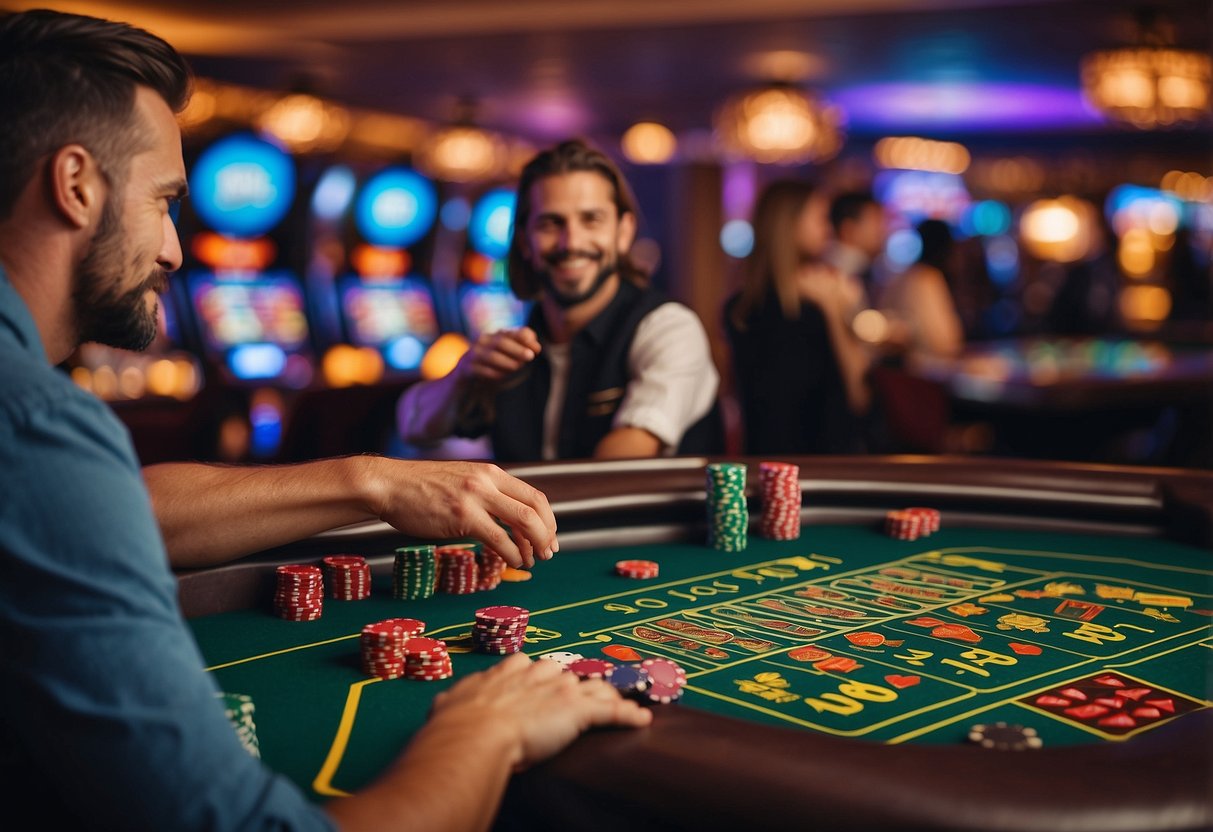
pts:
pixel 911 523
pixel 491 566
pixel 426 659
pixel 348 577
pixel 458 572
pixel 930 519
pixel 500 630
pixel 780 483
pixel 383 646
pixel 666 681
pixel 637 568
pixel 300 593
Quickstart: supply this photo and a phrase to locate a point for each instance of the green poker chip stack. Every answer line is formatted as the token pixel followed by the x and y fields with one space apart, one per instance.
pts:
pixel 415 573
pixel 728 514
pixel 239 711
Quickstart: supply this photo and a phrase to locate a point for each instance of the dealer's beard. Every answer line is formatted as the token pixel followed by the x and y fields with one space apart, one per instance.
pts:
pixel 102 314
pixel 565 300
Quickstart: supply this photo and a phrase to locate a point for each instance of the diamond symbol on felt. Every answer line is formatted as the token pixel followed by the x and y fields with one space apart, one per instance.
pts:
pixel 1117 705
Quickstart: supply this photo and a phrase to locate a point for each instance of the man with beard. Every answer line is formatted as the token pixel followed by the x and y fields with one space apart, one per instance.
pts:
pixel 605 367
pixel 110 720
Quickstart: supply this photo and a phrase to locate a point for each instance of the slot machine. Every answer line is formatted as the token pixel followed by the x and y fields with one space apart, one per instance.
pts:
pixel 486 303
pixel 245 294
pixel 371 274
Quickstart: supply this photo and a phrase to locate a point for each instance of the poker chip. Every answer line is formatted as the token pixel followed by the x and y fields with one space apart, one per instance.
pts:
pixel 299 595
pixel 642 569
pixel 426 659
pixel 662 694
pixel 347 577
pixel 653 681
pixel 414 573
pixel 561 657
pixel 491 567
pixel 911 523
pixel 500 630
pixel 903 525
pixel 664 672
pixel 591 668
pixel 628 679
pixel 458 572
pixel 239 709
pixel 779 483
pixel 1003 736
pixel 383 643
pixel 930 519
pixel 728 516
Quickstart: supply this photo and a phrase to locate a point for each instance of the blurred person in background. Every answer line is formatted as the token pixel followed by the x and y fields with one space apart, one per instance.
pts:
pixel 801 374
pixel 920 300
pixel 860 231
pixel 1086 302
pixel 1190 273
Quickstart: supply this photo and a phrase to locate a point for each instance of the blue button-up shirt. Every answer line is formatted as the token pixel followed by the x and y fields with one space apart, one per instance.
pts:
pixel 108 719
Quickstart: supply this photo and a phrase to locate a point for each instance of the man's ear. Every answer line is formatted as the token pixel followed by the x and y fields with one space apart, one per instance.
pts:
pixel 77 185
pixel 626 234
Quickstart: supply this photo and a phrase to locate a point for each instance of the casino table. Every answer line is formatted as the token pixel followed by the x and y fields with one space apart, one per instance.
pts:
pixel 1083 398
pixel 833 679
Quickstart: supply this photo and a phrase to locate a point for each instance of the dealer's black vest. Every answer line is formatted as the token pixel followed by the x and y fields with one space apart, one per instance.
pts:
pixel 598 379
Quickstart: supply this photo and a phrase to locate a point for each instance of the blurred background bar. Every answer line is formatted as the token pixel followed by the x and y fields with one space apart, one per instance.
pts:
pixel 352 168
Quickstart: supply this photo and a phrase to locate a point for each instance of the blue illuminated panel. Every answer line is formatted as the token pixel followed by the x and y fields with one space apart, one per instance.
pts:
pixel 396 208
pixel 242 186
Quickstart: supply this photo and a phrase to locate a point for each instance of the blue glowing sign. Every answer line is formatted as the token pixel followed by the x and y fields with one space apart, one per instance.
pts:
pixel 396 208
pixel 492 223
pixel 242 186
pixel 256 361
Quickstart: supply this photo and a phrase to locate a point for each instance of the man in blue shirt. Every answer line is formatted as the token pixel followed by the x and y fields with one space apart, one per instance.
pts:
pixel 109 719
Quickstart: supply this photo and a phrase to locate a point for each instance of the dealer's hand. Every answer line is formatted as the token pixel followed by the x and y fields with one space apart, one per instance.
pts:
pixel 496 355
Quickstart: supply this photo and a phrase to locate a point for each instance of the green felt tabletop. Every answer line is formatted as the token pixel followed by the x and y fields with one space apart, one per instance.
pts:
pixel 844 631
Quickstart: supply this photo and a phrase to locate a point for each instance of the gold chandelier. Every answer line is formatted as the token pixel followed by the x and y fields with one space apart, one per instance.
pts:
pixel 306 123
pixel 779 124
pixel 1152 84
pixel 461 151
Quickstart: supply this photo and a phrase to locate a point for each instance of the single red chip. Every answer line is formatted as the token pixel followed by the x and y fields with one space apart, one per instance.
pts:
pixel 637 568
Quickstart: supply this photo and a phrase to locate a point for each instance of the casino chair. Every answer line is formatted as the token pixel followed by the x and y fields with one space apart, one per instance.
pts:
pixel 914 414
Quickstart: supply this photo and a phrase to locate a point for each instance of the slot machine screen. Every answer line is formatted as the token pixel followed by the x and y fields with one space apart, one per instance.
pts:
pixel 488 307
pixel 252 323
pixel 396 317
pixel 486 303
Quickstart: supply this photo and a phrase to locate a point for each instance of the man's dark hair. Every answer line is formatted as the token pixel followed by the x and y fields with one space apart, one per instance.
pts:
pixel 572 156
pixel 848 206
pixel 67 78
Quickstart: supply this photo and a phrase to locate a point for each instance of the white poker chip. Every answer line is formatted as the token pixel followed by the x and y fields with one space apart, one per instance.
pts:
pixel 562 658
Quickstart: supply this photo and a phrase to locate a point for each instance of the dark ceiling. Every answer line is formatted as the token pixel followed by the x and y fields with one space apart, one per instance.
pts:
pixel 981 69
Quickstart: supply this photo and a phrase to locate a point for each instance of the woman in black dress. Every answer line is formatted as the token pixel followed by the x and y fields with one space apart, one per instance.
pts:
pixel 800 372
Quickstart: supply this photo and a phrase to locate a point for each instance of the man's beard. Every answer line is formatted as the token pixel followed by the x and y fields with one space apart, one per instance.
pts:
pixel 103 314
pixel 563 299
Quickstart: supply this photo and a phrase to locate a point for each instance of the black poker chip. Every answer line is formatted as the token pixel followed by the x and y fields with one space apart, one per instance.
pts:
pixel 1003 736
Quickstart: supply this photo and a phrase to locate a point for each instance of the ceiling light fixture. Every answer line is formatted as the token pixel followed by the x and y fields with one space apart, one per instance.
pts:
pixel 1151 84
pixel 779 124
pixel 462 151
pixel 305 123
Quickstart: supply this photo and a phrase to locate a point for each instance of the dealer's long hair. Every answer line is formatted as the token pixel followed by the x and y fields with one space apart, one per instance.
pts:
pixel 572 156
